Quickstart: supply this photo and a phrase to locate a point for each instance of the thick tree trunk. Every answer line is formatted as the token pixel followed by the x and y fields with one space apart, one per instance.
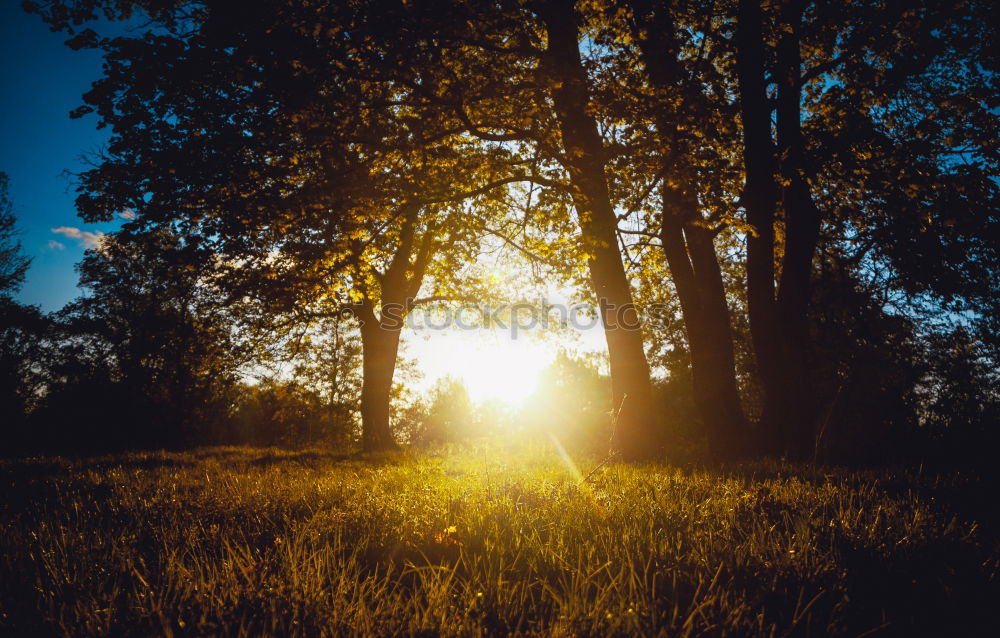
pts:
pixel 798 415
pixel 382 321
pixel 690 248
pixel 380 347
pixel 759 199
pixel 778 324
pixel 694 268
pixel 713 361
pixel 637 433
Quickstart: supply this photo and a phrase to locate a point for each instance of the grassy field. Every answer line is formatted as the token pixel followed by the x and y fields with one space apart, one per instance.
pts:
pixel 490 540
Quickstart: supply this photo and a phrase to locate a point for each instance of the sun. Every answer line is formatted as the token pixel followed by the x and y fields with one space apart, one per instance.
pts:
pixel 504 372
pixel 493 367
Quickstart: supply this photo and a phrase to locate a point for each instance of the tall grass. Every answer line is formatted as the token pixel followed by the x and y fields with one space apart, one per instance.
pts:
pixel 494 540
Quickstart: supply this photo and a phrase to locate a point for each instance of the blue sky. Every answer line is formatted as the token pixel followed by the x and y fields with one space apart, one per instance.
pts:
pixel 42 80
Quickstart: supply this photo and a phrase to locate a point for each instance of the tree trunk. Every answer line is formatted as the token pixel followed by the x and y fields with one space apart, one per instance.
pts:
pixel 713 361
pixel 380 331
pixel 798 415
pixel 694 268
pixel 690 248
pixel 637 434
pixel 759 199
pixel 380 346
pixel 778 325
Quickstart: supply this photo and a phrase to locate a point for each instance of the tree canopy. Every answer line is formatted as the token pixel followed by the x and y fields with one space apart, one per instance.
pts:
pixel 806 186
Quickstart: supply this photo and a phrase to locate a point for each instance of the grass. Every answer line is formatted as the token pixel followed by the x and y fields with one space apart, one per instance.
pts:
pixel 494 540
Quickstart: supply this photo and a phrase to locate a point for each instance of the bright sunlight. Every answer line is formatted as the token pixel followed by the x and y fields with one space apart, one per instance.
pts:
pixel 492 367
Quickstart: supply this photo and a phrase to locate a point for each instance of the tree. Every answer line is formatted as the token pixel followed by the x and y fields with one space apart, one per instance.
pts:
pixel 449 417
pixel 571 403
pixel 329 364
pixel 584 160
pixel 959 401
pixel 13 263
pixel 681 118
pixel 22 332
pixel 321 189
pixel 514 75
pixel 348 155
pixel 148 353
pixel 307 393
pixel 846 79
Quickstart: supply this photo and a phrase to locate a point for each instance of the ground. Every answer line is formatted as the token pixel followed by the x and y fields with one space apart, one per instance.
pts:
pixel 488 539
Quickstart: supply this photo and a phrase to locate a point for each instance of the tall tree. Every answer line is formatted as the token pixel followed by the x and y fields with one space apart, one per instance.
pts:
pixel 690 120
pixel 285 137
pixel 514 75
pixel 22 331
pixel 585 157
pixel 151 341
pixel 13 262
pixel 843 75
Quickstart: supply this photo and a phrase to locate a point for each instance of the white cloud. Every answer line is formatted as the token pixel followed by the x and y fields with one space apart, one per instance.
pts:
pixel 128 214
pixel 86 238
pixel 56 245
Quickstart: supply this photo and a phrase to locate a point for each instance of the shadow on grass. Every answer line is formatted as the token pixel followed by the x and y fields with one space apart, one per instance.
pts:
pixel 33 468
pixel 308 458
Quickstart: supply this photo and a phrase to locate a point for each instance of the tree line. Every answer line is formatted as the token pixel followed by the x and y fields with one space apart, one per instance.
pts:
pixel 812 185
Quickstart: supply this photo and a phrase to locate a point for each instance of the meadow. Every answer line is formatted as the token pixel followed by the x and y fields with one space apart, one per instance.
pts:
pixel 487 540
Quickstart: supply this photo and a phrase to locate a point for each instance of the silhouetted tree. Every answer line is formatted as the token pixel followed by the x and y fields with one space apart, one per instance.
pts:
pixel 148 355
pixel 349 155
pixel 293 147
pixel 22 332
pixel 13 262
pixel 823 89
